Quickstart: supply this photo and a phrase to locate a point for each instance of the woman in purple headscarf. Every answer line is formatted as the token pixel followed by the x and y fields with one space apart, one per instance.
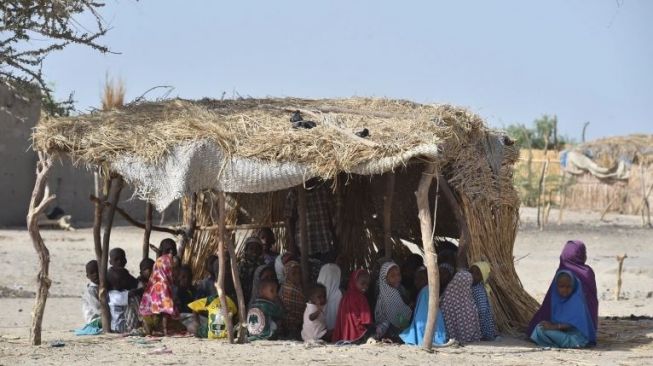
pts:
pixel 573 258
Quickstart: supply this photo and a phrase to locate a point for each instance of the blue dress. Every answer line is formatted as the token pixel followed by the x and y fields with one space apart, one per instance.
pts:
pixel 572 311
pixel 414 334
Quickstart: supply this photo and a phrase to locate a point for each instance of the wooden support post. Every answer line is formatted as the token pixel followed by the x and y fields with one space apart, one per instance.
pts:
pixel 235 275
pixel 103 188
pixel 191 222
pixel 620 260
pixel 224 309
pixel 303 235
pixel 646 209
pixel 387 214
pixel 540 191
pixel 430 256
pixel 38 202
pixel 148 230
pixel 113 195
pixel 131 220
pixel 563 196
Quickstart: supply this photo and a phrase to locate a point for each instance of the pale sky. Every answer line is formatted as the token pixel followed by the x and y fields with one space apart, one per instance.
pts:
pixel 509 61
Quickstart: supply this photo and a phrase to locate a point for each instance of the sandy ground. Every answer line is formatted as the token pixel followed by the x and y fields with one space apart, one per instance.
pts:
pixel 623 342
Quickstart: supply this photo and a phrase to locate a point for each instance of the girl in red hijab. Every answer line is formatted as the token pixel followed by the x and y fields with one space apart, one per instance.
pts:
pixel 354 315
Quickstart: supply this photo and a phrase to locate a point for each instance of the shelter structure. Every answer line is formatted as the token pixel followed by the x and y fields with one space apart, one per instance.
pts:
pixel 398 171
pixel 613 174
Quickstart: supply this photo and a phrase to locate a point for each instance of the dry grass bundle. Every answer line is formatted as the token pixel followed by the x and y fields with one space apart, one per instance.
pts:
pixel 638 149
pixel 113 94
pixel 260 129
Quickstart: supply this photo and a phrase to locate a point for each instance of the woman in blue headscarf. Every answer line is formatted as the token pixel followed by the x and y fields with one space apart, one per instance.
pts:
pixel 414 334
pixel 569 324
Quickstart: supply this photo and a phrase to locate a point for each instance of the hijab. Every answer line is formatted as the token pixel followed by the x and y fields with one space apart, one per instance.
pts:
pixel 573 258
pixel 390 306
pixel 459 310
pixel 573 309
pixel 484 267
pixel 414 334
pixel 330 277
pixel 354 314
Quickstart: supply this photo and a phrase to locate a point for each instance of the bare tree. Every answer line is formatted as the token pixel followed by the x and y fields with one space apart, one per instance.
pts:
pixel 30 30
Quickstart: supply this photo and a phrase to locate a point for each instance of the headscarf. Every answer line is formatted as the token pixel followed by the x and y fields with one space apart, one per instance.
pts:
pixel 459 310
pixel 572 258
pixel 572 310
pixel 484 267
pixel 390 306
pixel 256 281
pixel 158 298
pixel 414 334
pixel 354 315
pixel 330 277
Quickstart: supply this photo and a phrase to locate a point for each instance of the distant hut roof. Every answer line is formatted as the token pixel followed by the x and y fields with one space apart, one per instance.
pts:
pixel 631 149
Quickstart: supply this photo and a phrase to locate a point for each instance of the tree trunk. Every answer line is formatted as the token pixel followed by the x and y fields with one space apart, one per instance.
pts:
pixel 303 236
pixel 36 206
pixel 224 309
pixel 387 214
pixel 114 195
pixel 430 256
pixel 148 230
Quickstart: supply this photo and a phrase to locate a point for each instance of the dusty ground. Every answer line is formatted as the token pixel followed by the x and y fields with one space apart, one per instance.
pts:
pixel 623 342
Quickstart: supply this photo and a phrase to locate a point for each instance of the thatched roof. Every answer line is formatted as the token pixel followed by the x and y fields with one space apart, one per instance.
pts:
pixel 631 149
pixel 256 134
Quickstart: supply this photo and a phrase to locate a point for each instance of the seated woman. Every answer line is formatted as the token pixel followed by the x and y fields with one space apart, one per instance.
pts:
pixel 569 324
pixel 481 290
pixel 459 310
pixel 391 312
pixel 414 334
pixel 572 258
pixel 354 318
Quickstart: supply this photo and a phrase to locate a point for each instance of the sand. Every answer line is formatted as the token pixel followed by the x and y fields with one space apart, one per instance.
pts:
pixel 621 341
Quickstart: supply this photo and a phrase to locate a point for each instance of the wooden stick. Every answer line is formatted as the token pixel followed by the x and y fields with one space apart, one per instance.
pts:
pixel 224 309
pixel 646 210
pixel 387 214
pixel 607 208
pixel 133 221
pixel 539 194
pixel 620 260
pixel 114 196
pixel 303 235
pixel 563 197
pixel 148 230
pixel 191 222
pixel 430 257
pixel 102 187
pixel 639 205
pixel 36 206
pixel 235 275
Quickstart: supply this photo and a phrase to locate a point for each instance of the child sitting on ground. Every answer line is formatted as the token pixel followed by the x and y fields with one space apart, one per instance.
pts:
pixel 124 317
pixel 184 294
pixel 90 299
pixel 315 327
pixel 392 313
pixel 157 303
pixel 354 315
pixel 207 286
pixel 118 276
pixel 293 300
pixel 481 290
pixel 265 314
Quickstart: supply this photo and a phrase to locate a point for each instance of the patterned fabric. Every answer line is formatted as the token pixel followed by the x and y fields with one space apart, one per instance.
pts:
pixel 293 301
pixel 459 310
pixel 330 278
pixel 90 303
pixel 354 314
pixel 390 306
pixel 216 328
pixel 262 319
pixel 318 218
pixel 246 269
pixel 485 317
pixel 158 298
pixel 414 334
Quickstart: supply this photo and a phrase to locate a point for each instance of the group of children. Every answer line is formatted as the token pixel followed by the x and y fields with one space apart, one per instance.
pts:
pixel 389 305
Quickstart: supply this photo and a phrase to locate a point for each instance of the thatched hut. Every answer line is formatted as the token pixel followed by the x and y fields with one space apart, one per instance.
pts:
pixel 613 174
pixel 245 155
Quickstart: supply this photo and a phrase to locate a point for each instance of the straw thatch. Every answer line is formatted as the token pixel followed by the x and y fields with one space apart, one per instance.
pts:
pixel 634 149
pixel 476 162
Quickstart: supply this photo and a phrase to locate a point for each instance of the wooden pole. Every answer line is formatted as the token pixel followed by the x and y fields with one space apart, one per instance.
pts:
pixel 148 230
pixel 114 195
pixel 38 202
pixel 620 260
pixel 224 309
pixel 646 210
pixel 191 222
pixel 103 188
pixel 539 193
pixel 387 213
pixel 563 196
pixel 131 220
pixel 235 275
pixel 303 235
pixel 430 256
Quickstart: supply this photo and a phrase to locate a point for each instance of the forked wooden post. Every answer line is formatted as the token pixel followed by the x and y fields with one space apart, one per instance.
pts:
pixel 235 275
pixel 37 204
pixel 103 186
pixel 113 195
pixel 148 230
pixel 224 309
pixel 387 213
pixel 430 257
pixel 303 235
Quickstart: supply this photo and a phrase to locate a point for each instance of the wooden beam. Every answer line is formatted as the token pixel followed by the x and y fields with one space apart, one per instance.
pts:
pixel 387 213
pixel 114 196
pixel 148 230
pixel 224 309
pixel 38 202
pixel 303 235
pixel 131 220
pixel 430 256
